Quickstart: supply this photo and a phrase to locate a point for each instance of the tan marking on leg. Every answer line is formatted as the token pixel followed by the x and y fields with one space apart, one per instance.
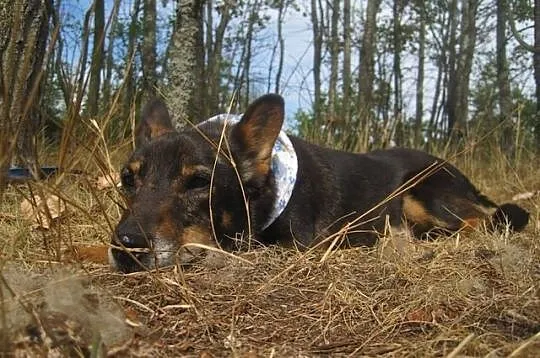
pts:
pixel 415 212
pixel 194 235
pixel 472 223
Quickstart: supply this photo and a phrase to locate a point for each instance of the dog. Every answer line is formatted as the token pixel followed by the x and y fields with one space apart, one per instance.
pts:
pixel 220 184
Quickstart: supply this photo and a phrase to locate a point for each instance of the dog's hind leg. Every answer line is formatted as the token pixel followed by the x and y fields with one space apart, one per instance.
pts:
pixel 447 202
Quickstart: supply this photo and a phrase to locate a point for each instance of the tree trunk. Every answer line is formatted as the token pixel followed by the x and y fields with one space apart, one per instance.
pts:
pixel 399 128
pixel 109 61
pixel 97 58
pixel 334 63
pixel 129 78
pixel 347 80
pixel 317 59
pixel 215 47
pixel 503 83
pixel 23 37
pixel 419 112
pixel 367 52
pixel 537 69
pixel 149 49
pixel 281 41
pixel 464 64
pixel 186 63
pixel 451 100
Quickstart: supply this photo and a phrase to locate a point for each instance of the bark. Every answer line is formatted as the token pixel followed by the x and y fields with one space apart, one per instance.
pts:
pixel 451 100
pixel 97 58
pixel 334 63
pixel 129 77
pixel 317 59
pixel 246 59
pixel 464 65
pixel 503 82
pixel 215 49
pixel 367 52
pixel 460 65
pixel 281 41
pixel 537 69
pixel 109 62
pixel 397 9
pixel 24 27
pixel 186 63
pixel 149 49
pixel 347 79
pixel 419 112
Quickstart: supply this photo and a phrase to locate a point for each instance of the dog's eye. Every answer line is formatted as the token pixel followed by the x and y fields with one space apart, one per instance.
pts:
pixel 197 182
pixel 128 178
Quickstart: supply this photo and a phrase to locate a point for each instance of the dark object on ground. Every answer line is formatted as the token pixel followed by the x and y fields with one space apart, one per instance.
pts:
pixel 19 175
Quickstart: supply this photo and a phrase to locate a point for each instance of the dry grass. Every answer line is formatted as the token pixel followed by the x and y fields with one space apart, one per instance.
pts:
pixel 473 294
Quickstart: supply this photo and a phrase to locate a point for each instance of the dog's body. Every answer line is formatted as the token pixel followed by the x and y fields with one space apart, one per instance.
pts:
pixel 169 176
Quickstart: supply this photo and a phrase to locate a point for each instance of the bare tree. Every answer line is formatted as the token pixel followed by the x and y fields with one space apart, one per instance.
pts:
pixel 367 51
pixel 317 16
pixel 214 45
pixel 397 9
pixel 503 82
pixel 109 60
pixel 535 50
pixel 347 78
pixel 149 48
pixel 334 44
pixel 419 112
pixel 97 58
pixel 458 91
pixel 129 89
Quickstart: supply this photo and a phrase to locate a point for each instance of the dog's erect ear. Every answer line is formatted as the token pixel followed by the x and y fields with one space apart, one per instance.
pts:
pixel 256 134
pixel 155 122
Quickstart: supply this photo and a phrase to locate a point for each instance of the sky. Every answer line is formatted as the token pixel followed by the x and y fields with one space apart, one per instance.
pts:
pixel 297 80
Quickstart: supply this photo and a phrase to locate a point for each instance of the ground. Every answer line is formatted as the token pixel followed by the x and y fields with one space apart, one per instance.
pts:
pixel 472 294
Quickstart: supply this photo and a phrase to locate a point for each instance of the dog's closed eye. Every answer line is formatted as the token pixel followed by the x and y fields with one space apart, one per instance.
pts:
pixel 127 178
pixel 198 181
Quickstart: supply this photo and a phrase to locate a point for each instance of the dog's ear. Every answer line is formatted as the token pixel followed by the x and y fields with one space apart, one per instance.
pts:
pixel 154 123
pixel 255 135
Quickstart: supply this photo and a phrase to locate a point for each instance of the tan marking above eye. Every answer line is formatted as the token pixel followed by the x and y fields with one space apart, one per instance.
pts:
pixel 135 166
pixel 188 170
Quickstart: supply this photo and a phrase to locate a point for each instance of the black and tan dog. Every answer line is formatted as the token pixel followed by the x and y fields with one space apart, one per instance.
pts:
pixel 180 192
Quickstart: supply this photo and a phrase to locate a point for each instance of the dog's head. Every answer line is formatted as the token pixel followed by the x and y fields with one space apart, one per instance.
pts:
pixel 182 194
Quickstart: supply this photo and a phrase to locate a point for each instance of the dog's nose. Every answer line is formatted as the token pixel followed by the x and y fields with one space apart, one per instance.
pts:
pixel 133 240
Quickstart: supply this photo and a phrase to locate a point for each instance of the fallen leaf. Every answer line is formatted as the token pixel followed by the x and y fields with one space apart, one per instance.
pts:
pixel 108 181
pixel 419 315
pixel 93 254
pixel 525 196
pixel 42 212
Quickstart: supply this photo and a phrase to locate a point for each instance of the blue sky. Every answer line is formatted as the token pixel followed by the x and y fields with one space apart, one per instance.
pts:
pixel 297 80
